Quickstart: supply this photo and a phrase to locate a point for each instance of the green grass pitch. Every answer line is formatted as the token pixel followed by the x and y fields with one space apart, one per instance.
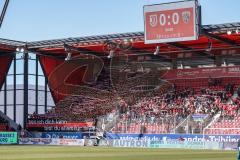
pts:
pixel 100 153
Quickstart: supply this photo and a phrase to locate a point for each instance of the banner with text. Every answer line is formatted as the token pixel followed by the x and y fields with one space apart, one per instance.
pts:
pixel 186 137
pixel 56 125
pixel 214 72
pixel 65 135
pixel 51 141
pixel 8 137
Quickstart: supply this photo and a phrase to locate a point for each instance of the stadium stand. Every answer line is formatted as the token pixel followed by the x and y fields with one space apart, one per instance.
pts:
pixel 3 125
pixel 162 110
pixel 146 93
pixel 155 110
pixel 161 114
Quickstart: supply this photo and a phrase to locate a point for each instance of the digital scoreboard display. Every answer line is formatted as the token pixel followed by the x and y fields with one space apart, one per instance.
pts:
pixel 171 22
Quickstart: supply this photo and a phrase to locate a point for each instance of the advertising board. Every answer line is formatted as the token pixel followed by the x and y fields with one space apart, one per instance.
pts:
pixel 131 143
pixel 64 135
pixel 8 138
pixel 56 125
pixel 52 141
pixel 195 73
pixel 186 137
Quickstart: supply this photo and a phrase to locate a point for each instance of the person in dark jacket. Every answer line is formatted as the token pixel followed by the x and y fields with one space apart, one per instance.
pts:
pixel 238 148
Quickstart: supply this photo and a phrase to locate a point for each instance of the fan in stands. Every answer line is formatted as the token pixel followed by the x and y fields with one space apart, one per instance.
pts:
pixel 158 111
pixel 4 125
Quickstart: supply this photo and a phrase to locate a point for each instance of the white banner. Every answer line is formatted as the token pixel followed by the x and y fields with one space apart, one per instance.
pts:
pixel 52 141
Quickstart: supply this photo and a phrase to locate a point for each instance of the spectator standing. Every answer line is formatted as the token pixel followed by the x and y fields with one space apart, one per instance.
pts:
pixel 238 148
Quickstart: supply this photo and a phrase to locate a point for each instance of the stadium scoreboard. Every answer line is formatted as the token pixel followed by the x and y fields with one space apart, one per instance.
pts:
pixel 171 22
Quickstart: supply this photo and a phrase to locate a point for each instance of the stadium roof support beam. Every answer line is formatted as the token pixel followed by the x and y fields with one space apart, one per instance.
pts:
pixel 84 51
pixel 6 53
pixel 183 47
pixel 219 38
pixel 154 57
pixel 48 54
pixel 178 46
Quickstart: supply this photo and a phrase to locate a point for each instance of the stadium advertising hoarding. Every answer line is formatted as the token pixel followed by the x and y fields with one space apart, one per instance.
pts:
pixel 51 141
pixel 71 142
pixel 199 117
pixel 56 125
pixel 168 144
pixel 105 142
pixel 176 144
pixel 38 141
pixel 65 135
pixel 131 143
pixel 8 138
pixel 90 142
pixel 188 144
pixel 215 72
pixel 165 137
pixel 171 22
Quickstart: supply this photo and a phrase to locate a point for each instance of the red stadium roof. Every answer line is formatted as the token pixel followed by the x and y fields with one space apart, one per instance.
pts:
pixel 216 33
pixel 213 36
pixel 7 46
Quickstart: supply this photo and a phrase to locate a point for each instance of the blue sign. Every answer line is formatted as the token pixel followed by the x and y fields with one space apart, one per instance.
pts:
pixel 64 135
pixel 164 137
pixel 199 117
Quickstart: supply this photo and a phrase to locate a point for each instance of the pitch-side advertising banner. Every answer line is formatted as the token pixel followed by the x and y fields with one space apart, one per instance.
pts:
pixel 8 137
pixel 171 22
pixel 52 141
pixel 65 135
pixel 186 137
pixel 168 144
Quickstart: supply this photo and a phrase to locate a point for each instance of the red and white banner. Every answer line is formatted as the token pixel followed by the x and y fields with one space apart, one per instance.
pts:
pixel 68 124
pixel 71 142
pixel 52 141
pixel 171 22
pixel 214 72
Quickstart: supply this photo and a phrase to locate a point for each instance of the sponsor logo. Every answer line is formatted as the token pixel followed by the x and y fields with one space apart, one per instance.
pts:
pixel 186 16
pixel 153 20
pixel 130 143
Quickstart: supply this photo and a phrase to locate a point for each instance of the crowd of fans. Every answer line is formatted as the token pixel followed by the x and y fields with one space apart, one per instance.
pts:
pixel 178 105
pixel 156 109
pixel 82 108
pixel 4 125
